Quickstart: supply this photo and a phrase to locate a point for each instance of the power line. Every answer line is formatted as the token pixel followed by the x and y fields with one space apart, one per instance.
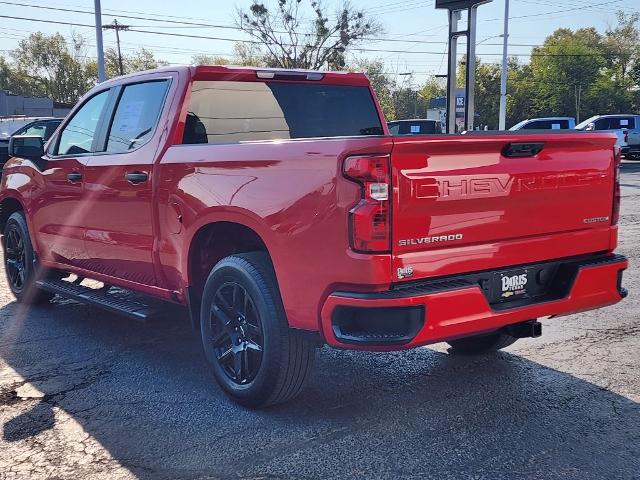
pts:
pixel 183 24
pixel 359 49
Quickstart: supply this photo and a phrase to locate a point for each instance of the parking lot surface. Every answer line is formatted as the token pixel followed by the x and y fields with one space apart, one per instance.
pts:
pixel 85 395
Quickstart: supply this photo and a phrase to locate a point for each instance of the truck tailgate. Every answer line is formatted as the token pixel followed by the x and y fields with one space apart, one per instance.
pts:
pixel 461 204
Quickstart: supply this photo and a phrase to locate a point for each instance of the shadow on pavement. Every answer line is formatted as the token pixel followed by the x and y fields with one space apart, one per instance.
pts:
pixel 144 392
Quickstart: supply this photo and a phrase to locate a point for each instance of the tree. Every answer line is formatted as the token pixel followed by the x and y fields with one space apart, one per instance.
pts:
pixel 244 54
pixel 280 30
pixel 49 66
pixel 248 54
pixel 431 90
pixel 622 45
pixel 381 82
pixel 140 60
pixel 204 59
pixel 568 63
pixel 12 80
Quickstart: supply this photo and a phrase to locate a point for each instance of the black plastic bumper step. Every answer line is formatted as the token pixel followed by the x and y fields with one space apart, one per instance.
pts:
pixel 112 302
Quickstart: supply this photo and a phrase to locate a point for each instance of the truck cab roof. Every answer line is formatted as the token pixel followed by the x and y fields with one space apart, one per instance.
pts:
pixel 242 73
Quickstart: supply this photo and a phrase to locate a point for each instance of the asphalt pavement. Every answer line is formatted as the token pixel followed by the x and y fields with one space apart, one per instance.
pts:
pixel 89 395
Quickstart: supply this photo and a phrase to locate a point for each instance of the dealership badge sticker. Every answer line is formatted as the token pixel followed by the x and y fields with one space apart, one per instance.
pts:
pixel 405 272
pixel 513 285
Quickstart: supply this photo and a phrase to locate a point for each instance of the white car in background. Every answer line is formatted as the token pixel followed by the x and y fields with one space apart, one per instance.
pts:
pixel 546 123
pixel 626 128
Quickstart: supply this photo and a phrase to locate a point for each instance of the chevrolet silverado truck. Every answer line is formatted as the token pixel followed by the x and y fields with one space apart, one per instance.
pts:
pixel 277 208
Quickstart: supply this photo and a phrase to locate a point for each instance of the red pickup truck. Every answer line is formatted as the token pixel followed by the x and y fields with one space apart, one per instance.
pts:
pixel 277 208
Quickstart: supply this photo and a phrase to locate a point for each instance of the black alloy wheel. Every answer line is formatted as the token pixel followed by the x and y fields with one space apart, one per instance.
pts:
pixel 15 260
pixel 20 263
pixel 254 356
pixel 236 333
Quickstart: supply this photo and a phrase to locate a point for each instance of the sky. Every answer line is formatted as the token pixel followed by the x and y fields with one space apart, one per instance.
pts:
pixel 413 42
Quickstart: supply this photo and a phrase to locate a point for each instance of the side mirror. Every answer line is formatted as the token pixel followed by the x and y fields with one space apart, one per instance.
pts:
pixel 26 146
pixel 590 128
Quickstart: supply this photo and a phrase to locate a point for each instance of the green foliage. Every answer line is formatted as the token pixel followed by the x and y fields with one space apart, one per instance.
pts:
pixel 579 73
pixel 46 65
pixel 138 61
pixel 381 81
pixel 278 29
pixel 209 60
pixel 431 90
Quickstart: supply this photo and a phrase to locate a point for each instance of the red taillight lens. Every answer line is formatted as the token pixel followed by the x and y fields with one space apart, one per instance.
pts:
pixel 617 158
pixel 370 218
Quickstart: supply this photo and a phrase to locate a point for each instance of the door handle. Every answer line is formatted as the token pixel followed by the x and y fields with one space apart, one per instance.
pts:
pixel 522 149
pixel 136 177
pixel 74 177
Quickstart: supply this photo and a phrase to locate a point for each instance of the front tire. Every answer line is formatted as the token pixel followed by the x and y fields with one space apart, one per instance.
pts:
pixel 19 262
pixel 479 344
pixel 255 357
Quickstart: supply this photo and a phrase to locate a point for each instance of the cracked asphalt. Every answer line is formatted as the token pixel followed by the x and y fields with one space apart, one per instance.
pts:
pixel 89 395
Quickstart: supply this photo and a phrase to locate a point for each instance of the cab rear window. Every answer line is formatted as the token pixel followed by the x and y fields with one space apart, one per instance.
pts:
pixel 227 112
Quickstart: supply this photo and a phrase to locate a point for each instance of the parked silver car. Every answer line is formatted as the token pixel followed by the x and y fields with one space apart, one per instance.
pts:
pixel 626 128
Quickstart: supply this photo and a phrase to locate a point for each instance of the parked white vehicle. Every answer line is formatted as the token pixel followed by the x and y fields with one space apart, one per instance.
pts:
pixel 626 128
pixel 8 125
pixel 545 123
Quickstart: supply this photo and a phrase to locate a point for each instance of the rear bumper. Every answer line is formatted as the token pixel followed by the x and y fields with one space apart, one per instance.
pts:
pixel 418 314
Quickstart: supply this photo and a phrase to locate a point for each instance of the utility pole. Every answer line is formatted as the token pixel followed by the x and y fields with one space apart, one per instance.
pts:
pixel 98 13
pixel 117 27
pixel 502 120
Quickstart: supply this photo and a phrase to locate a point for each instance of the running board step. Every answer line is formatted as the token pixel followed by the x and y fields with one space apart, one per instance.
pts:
pixel 98 297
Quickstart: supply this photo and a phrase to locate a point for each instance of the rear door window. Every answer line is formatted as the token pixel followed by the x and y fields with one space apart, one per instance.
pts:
pixel 227 112
pixel 538 125
pixel 136 115
pixel 622 123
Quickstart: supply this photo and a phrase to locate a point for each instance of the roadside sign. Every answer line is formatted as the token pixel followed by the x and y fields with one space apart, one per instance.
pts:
pixel 459 4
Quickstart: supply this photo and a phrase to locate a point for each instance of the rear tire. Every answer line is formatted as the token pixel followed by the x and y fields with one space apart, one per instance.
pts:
pixel 255 357
pixel 481 343
pixel 19 262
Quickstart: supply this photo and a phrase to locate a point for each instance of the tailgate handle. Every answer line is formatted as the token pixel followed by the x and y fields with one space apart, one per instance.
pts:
pixel 522 149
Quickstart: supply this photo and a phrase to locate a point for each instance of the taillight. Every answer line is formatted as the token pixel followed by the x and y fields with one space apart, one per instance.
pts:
pixel 370 218
pixel 617 158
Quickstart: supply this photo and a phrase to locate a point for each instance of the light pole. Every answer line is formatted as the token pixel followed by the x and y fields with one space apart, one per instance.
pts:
pixel 502 119
pixel 98 13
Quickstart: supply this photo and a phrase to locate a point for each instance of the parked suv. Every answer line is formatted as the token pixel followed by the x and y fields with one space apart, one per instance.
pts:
pixel 546 123
pixel 277 208
pixel 626 128
pixel 414 127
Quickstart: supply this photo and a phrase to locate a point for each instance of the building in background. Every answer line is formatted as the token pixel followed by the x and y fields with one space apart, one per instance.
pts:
pixel 18 105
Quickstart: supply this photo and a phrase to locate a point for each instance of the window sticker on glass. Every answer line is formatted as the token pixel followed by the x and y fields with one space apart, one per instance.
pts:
pixel 555 126
pixel 415 128
pixel 130 117
pixel 624 122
